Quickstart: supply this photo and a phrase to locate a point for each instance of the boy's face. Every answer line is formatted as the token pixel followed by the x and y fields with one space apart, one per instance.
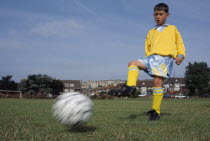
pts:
pixel 160 17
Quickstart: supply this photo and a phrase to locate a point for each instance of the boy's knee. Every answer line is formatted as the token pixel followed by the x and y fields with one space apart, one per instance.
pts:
pixel 158 81
pixel 129 64
pixel 132 63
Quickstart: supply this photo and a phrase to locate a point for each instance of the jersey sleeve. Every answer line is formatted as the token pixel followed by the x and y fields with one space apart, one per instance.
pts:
pixel 179 44
pixel 147 44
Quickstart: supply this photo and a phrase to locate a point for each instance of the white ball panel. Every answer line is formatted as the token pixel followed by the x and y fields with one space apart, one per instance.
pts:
pixel 72 109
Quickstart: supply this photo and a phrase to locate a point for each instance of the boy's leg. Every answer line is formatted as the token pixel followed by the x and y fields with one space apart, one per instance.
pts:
pixel 133 72
pixel 157 97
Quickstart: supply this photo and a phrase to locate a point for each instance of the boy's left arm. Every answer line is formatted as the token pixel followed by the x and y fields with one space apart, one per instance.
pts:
pixel 179 59
pixel 180 48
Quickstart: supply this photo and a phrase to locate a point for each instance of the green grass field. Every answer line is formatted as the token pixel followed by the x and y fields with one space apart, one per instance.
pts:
pixel 121 119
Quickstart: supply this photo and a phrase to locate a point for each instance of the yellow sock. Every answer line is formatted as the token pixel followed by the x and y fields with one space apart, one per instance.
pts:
pixel 133 73
pixel 157 98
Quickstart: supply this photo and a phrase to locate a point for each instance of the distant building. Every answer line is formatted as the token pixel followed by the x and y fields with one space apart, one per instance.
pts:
pixel 145 85
pixel 103 83
pixel 72 85
pixel 171 85
pixel 174 84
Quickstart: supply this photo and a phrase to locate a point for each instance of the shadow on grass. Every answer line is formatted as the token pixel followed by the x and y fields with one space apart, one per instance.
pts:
pixel 134 116
pixel 82 129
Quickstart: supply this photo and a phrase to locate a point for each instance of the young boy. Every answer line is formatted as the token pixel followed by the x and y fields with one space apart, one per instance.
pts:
pixel 163 45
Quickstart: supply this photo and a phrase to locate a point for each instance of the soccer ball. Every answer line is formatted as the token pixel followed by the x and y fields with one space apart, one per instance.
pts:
pixel 72 109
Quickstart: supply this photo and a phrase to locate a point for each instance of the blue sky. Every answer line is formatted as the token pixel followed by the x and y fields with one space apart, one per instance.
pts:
pixel 92 39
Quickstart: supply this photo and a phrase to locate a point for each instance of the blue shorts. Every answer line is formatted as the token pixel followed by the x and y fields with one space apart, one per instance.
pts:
pixel 158 65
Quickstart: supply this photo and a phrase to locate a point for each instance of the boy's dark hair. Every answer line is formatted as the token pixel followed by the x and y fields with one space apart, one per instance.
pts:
pixel 162 6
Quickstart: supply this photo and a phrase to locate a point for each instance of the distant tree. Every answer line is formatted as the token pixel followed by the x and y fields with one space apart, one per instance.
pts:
pixel 197 76
pixel 208 90
pixel 56 86
pixel 7 84
pixel 40 85
pixel 24 86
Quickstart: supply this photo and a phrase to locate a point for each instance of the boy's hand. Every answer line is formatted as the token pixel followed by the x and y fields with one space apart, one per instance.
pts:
pixel 178 60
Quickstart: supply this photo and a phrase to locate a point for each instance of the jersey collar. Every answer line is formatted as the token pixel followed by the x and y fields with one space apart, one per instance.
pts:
pixel 165 25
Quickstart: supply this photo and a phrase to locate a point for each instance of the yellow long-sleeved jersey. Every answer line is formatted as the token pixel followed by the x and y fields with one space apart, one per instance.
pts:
pixel 167 42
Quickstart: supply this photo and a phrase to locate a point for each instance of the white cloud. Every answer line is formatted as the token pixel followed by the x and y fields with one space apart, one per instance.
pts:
pixel 85 8
pixel 11 43
pixel 63 28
